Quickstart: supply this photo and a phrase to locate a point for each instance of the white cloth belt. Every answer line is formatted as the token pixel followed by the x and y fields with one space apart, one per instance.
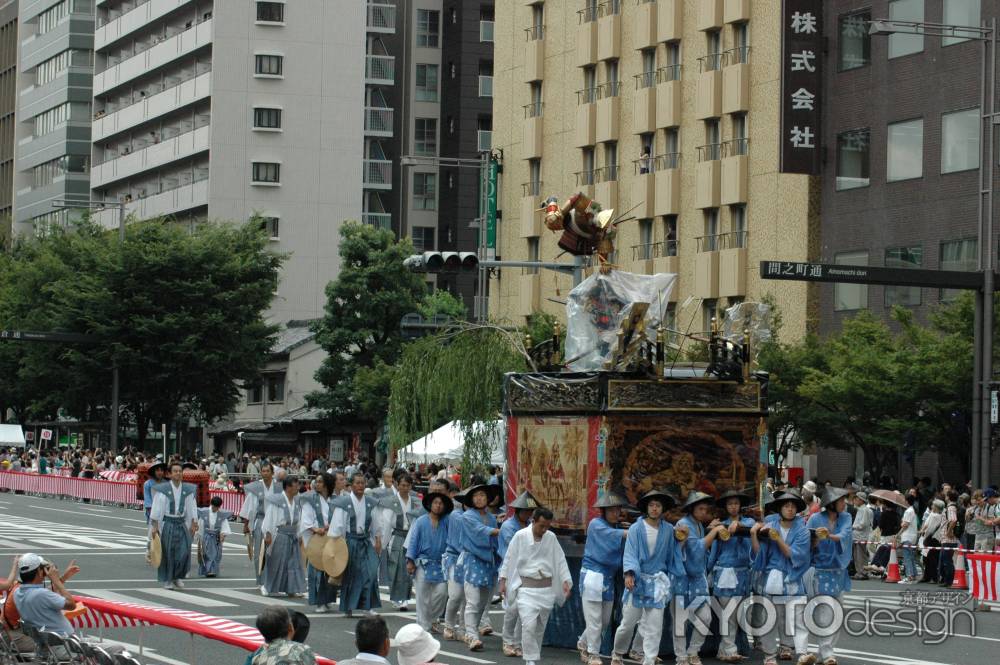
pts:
pixel 593 586
pixel 775 584
pixel 727 579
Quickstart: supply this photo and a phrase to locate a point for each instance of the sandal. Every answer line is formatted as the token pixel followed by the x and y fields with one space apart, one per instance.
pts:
pixel 784 653
pixel 476 645
pixel 509 650
pixel 806 659
pixel 616 659
pixel 770 661
pixel 485 630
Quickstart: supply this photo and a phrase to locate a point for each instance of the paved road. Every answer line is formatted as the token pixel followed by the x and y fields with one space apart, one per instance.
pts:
pixel 108 544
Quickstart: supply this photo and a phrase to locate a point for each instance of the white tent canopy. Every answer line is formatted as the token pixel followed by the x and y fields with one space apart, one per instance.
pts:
pixel 447 443
pixel 11 435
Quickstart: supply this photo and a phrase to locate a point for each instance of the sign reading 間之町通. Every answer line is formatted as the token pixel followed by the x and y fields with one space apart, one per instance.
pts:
pixel 801 82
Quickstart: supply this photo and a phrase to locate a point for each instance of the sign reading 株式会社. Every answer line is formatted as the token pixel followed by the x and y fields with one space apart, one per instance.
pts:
pixel 801 83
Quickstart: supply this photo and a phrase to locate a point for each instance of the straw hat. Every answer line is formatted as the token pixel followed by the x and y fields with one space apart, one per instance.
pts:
pixel 314 550
pixel 155 551
pixel 335 556
pixel 664 498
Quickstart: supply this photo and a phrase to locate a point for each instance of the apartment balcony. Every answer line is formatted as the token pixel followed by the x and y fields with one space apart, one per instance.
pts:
pixel 122 24
pixel 669 20
pixel 668 97
pixel 532 140
pixel 608 120
pixel 644 103
pixel 182 146
pixel 665 260
pixel 72 31
pixel 645 25
pixel 643 189
pixel 484 140
pixel 72 86
pixel 486 30
pixel 159 55
pixel 377 174
pixel 736 81
pixel 586 37
pixel 381 18
pixel 732 264
pixel 530 294
pixel 33 151
pixel 667 181
pixel 706 269
pixel 585 182
pixel 708 103
pixel 609 30
pixel 380 220
pixel 709 15
pixel 735 172
pixel 534 55
pixel 378 121
pixel 585 129
pixel 531 215
pixel 606 189
pixel 109 121
pixel 380 70
pixel 170 201
pixel 736 11
pixel 708 176
pixel 485 86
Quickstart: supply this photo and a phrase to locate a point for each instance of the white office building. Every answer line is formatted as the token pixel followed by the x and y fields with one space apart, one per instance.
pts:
pixel 222 109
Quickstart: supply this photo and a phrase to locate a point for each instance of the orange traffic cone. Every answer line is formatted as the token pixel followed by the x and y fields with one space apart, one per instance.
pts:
pixel 892 572
pixel 960 580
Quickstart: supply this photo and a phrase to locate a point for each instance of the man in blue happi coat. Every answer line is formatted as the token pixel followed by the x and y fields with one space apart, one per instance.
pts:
pixel 481 563
pixel 602 559
pixel 830 558
pixel 425 547
pixel 729 564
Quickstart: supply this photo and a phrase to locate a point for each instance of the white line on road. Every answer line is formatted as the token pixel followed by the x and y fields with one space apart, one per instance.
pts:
pixel 185 596
pixel 148 579
pixel 73 512
pixel 147 652
pixel 251 598
pixel 118 598
pixel 56 544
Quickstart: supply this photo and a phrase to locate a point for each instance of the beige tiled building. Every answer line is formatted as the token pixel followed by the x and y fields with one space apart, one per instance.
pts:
pixel 668 108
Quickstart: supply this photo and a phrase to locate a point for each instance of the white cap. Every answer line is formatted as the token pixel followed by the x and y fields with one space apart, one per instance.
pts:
pixel 29 562
pixel 809 486
pixel 414 645
pixel 119 459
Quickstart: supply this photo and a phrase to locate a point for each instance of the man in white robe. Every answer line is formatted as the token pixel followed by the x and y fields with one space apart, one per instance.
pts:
pixel 535 576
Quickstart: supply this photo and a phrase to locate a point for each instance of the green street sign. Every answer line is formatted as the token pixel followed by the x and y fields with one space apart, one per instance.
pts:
pixel 491 204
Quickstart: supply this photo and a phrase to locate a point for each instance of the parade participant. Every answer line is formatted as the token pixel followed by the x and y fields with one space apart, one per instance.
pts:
pixel 535 577
pixel 783 557
pixel 688 575
pixel 602 559
pixel 252 513
pixel 830 558
pixel 174 518
pixel 729 562
pixel 648 554
pixel 428 540
pixel 283 572
pixel 396 511
pixel 523 507
pixel 353 518
pixel 214 527
pixel 156 473
pixel 479 549
pixel 316 514
pixel 454 570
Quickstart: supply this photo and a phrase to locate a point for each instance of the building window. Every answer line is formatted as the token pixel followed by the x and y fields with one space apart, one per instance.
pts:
pixel 269 65
pixel 958 255
pixel 906 10
pixel 271 12
pixel 425 136
pixel 847 297
pixel 961 12
pixel 645 240
pixel 57 66
pixel 427 83
pixel 266 172
pixel 276 388
pixel 855 42
pixel 267 118
pixel 255 392
pixel 269 225
pixel 853 159
pixel 670 235
pixel 533 254
pixel 428 28
pixel 425 191
pixel 51 17
pixel 707 314
pixel 738 226
pixel 903 257
pixel 423 238
pixel 713 50
pixel 47 172
pixel 960 140
pixel 709 243
pixel 52 119
pixel 905 153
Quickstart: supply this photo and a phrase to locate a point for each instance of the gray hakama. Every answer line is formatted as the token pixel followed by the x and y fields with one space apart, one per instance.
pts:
pixel 394 535
pixel 253 512
pixel 175 539
pixel 211 541
pixel 360 588
pixel 283 570
pixel 321 591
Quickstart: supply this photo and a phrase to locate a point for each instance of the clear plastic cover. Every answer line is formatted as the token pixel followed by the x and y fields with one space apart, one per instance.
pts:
pixel 748 316
pixel 598 305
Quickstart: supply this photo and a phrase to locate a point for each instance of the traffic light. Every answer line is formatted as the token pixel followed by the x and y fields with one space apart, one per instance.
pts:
pixel 443 262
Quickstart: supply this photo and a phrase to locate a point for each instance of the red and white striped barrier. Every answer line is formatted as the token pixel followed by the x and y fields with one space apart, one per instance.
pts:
pixel 985 569
pixel 914 546
pixel 109 614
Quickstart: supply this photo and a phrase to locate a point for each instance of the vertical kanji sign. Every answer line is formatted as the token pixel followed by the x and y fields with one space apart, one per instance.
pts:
pixel 801 52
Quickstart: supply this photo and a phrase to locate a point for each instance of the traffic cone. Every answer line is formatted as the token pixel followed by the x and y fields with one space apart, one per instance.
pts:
pixel 892 572
pixel 960 581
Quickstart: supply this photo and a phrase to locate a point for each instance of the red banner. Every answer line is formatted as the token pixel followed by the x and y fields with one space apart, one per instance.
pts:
pixel 985 569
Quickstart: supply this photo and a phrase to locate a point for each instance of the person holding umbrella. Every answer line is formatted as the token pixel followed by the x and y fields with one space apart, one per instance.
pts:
pixel 729 562
pixel 602 559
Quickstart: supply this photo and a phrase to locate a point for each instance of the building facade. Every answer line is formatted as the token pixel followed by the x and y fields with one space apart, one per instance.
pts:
pixel 52 159
pixel 8 113
pixel 667 110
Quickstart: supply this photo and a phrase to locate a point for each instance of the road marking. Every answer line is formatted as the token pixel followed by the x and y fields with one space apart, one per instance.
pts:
pixel 59 545
pixel 183 595
pixel 146 579
pixel 13 544
pixel 73 512
pixel 146 652
pixel 251 598
pixel 119 598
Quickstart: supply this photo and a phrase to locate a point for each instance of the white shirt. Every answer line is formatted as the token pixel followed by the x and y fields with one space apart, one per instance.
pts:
pixel 371 658
pixel 387 517
pixel 651 534
pixel 909 535
pixel 338 524
pixel 309 520
pixel 275 517
pixel 209 523
pixel 176 491
pixel 164 504
pixel 538 560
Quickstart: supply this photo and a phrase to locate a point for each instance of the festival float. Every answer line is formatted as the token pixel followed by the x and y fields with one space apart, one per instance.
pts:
pixel 619 410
